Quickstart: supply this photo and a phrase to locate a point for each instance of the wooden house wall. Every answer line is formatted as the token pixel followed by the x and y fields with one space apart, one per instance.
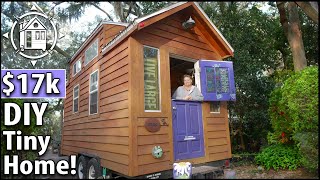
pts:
pixel 170 38
pixel 116 134
pixel 105 134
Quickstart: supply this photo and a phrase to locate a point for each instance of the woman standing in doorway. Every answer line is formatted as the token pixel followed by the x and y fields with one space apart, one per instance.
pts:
pixel 188 91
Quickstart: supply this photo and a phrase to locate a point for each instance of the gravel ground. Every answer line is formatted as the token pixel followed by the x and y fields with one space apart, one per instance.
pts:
pixel 251 171
pixel 54 156
pixel 243 170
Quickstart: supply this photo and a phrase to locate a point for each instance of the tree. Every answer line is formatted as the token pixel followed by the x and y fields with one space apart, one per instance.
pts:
pixel 252 34
pixel 311 9
pixel 291 28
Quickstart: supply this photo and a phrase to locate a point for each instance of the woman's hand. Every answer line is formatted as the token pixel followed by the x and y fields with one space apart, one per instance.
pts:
pixel 187 98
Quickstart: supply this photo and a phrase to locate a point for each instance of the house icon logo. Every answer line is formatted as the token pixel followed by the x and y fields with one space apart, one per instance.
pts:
pixel 33 35
pixel 37 34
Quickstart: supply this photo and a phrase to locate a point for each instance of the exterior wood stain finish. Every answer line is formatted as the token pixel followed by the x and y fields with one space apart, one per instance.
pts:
pixel 116 133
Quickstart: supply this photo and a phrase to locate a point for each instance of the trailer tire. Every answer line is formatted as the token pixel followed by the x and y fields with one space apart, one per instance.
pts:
pixel 94 169
pixel 82 167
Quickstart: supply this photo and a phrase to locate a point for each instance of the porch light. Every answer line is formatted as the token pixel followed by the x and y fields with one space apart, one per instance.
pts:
pixel 190 23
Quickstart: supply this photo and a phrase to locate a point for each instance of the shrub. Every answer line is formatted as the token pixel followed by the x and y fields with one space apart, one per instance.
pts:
pixel 294 114
pixel 308 145
pixel 279 156
pixel 278 111
pixel 300 94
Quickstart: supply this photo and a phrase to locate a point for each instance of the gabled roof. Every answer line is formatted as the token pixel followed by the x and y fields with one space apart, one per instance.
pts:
pixel 31 22
pixel 174 8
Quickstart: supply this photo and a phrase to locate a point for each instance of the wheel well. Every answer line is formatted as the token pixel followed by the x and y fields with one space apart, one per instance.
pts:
pixel 90 156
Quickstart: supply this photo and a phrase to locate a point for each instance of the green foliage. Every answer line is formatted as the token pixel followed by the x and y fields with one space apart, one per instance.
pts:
pixel 310 38
pixel 253 34
pixel 279 157
pixel 149 7
pixel 300 94
pixel 309 148
pixel 32 129
pixel 294 114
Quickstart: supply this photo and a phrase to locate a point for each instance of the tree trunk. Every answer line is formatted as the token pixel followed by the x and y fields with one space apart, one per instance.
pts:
pixel 295 38
pixel 311 10
pixel 293 33
pixel 242 144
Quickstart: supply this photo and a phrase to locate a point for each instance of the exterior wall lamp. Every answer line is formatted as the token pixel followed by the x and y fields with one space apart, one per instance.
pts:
pixel 190 23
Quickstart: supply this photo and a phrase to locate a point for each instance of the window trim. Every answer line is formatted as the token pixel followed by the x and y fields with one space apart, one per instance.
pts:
pixel 44 35
pixel 159 81
pixel 39 35
pixel 97 70
pixel 212 112
pixel 85 52
pixel 73 98
pixel 79 60
pixel 26 39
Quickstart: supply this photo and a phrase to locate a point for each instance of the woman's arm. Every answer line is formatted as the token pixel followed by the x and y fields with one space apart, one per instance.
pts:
pixel 197 95
pixel 176 94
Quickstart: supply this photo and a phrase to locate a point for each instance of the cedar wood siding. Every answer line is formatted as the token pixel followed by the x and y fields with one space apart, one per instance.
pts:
pixel 105 134
pixel 168 35
pixel 117 134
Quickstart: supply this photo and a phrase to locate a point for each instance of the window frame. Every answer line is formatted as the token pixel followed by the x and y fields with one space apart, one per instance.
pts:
pixel 27 39
pixel 75 98
pixel 85 52
pixel 97 90
pixel 74 74
pixel 43 35
pixel 159 79
pixel 39 35
pixel 214 112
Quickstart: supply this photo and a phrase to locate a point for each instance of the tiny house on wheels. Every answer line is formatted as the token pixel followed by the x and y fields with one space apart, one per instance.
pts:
pixel 119 115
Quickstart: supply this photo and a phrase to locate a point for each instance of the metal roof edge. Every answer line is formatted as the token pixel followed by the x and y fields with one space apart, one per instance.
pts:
pixel 93 33
pixel 126 32
pixel 136 21
pixel 224 39
pixel 115 23
pixel 160 11
pixel 121 36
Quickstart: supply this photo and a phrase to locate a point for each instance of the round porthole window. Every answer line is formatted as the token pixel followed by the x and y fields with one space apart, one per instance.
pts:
pixel 35 25
pixel 157 152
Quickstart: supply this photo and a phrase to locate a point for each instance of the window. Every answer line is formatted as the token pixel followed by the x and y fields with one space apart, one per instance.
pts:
pixel 76 67
pixel 222 79
pixel 210 79
pixel 216 79
pixel 29 38
pixel 93 93
pixel 91 52
pixel 76 98
pixel 43 35
pixel 37 35
pixel 215 107
pixel 151 79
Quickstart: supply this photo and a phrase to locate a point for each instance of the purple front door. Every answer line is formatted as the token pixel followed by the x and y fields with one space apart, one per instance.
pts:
pixel 188 129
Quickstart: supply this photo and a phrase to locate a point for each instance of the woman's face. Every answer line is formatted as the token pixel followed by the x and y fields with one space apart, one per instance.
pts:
pixel 187 81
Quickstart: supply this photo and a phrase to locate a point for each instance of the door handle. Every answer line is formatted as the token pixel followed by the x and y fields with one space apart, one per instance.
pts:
pixel 186 138
pixel 174 108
